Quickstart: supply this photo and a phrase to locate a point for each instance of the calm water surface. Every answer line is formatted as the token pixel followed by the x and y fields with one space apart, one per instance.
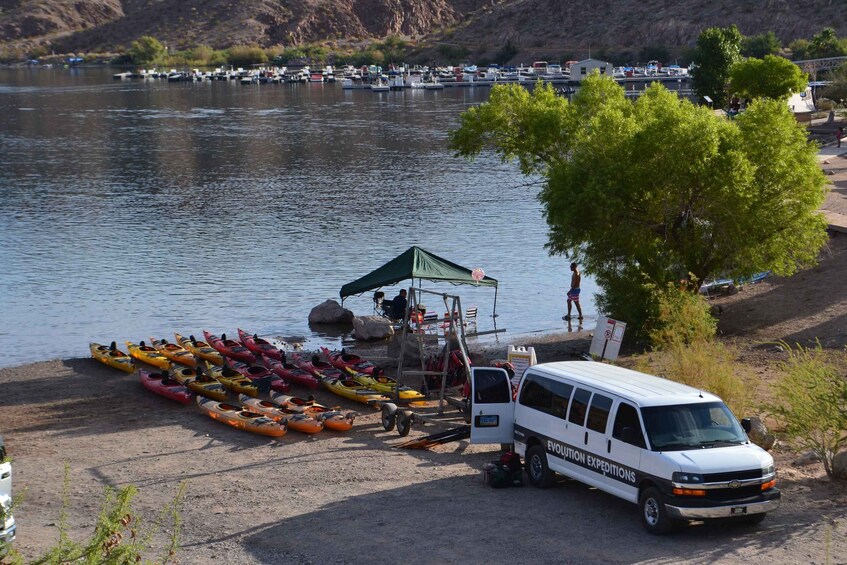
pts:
pixel 136 209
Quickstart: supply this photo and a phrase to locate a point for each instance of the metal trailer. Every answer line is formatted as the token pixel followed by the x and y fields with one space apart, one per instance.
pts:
pixel 404 417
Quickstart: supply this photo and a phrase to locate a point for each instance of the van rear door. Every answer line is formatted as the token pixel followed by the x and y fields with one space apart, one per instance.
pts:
pixel 491 407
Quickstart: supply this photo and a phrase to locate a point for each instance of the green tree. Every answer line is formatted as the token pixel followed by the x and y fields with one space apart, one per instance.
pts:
pixel 717 50
pixel 771 77
pixel 826 44
pixel 760 45
pixel 800 49
pixel 147 50
pixel 648 192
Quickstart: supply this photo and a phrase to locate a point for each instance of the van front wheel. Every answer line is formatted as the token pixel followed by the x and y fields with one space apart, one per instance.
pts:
pixel 540 475
pixel 654 516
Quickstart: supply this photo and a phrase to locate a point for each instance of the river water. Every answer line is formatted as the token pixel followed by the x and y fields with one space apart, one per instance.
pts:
pixel 131 209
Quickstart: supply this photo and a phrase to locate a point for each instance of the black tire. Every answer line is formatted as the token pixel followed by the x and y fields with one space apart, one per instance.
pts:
pixel 540 475
pixel 404 423
pixel 654 515
pixel 389 416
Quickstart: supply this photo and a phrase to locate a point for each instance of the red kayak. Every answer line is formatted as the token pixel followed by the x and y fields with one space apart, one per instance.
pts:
pixel 257 372
pixel 293 373
pixel 163 385
pixel 230 348
pixel 260 346
pixel 350 362
pixel 320 369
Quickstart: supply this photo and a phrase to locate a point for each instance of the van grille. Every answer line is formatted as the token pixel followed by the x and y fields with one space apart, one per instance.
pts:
pixel 735 475
pixel 734 493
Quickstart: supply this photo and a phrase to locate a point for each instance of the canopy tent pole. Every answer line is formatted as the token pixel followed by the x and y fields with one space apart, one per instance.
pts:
pixel 494 314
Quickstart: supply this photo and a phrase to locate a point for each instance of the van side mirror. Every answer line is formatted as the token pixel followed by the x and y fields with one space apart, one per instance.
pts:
pixel 745 425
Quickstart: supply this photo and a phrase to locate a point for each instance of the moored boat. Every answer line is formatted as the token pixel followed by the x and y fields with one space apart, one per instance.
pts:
pixel 110 355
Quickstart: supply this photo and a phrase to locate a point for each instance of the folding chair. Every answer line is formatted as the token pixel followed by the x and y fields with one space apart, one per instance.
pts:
pixel 380 306
pixel 470 315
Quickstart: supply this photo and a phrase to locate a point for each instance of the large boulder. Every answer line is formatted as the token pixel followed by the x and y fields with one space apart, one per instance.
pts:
pixel 330 312
pixel 369 328
pixel 759 434
pixel 839 465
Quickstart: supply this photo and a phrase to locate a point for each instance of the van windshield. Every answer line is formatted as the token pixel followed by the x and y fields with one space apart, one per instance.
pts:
pixel 692 426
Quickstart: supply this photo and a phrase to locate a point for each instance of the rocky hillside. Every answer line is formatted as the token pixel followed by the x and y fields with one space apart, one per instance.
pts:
pixel 546 28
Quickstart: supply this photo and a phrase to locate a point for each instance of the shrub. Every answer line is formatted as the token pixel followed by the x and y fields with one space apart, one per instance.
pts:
pixel 707 365
pixel 681 317
pixel 118 538
pixel 246 55
pixel 813 403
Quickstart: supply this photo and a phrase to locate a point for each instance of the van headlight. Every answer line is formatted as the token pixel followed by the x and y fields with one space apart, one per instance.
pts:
pixel 687 478
pixel 767 470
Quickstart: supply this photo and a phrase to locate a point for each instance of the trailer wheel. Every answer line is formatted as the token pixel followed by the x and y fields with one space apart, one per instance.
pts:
pixel 404 422
pixel 389 416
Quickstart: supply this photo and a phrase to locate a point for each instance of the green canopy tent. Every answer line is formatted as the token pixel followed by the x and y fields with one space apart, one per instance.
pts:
pixel 416 263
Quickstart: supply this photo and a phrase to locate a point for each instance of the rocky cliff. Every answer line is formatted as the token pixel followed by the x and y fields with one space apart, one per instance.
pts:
pixel 556 28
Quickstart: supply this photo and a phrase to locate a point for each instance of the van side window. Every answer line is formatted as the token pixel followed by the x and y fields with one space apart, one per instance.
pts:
pixel 491 387
pixel 598 414
pixel 546 395
pixel 627 417
pixel 579 406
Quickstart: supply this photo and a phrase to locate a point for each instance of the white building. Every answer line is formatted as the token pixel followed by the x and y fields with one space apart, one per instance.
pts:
pixel 585 67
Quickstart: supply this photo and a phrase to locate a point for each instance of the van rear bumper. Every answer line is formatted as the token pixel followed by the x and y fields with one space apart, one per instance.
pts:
pixel 731 510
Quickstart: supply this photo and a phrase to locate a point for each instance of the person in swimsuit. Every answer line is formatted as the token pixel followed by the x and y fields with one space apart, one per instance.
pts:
pixel 573 293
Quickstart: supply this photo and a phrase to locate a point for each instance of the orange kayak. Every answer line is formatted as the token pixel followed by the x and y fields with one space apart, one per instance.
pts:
pixel 237 417
pixel 295 420
pixel 174 352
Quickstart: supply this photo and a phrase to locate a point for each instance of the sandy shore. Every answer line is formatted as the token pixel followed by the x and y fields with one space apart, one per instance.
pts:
pixel 346 497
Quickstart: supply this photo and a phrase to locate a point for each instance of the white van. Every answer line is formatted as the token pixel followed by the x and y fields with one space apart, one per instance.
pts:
pixel 676 451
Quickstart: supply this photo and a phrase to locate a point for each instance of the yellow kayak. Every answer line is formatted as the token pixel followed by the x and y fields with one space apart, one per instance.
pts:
pixel 200 349
pixel 235 381
pixel 199 383
pixel 112 357
pixel 237 417
pixel 148 355
pixel 348 388
pixel 387 385
pixel 176 353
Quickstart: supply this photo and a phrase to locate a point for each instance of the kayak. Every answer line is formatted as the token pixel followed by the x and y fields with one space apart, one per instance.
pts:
pixel 111 356
pixel 350 362
pixel 259 346
pixel 387 385
pixel 256 372
pixel 350 389
pixel 230 348
pixel 279 413
pixel 200 349
pixel 148 355
pixel 320 369
pixel 176 353
pixel 292 373
pixel 164 385
pixel 236 382
pixel 237 417
pixel 332 418
pixel 199 383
